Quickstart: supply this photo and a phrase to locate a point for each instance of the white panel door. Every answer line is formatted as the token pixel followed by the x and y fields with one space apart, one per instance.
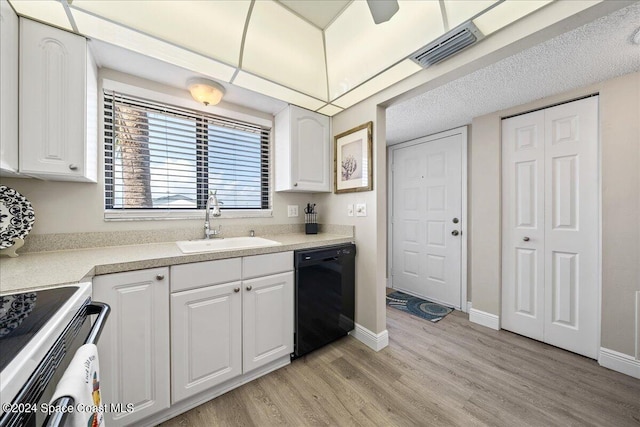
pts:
pixel 206 343
pixel 550 226
pixel 267 304
pixel 571 231
pixel 427 218
pixel 523 224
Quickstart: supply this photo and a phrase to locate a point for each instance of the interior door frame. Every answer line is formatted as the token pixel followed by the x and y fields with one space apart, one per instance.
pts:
pixel 598 210
pixel 463 131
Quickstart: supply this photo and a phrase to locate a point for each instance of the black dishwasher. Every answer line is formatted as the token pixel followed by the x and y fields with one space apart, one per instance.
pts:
pixel 324 296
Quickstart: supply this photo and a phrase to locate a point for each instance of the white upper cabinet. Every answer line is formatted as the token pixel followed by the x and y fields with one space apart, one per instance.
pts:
pixel 303 151
pixel 8 90
pixel 58 105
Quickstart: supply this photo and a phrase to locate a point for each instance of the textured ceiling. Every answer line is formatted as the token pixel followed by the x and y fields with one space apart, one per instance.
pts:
pixel 589 54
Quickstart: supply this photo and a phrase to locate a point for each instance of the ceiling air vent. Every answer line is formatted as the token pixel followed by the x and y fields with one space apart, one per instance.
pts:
pixel 447 45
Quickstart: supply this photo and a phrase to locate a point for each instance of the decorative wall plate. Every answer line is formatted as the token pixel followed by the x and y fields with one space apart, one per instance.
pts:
pixel 16 216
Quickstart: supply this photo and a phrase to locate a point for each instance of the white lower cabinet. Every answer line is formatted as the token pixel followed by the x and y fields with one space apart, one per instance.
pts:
pixel 206 331
pixel 220 331
pixel 169 345
pixel 267 319
pixel 134 345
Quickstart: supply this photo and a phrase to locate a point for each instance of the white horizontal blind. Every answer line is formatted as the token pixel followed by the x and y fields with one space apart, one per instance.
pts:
pixel 160 156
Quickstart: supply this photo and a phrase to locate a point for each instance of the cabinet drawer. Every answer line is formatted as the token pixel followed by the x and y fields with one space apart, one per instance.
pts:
pixel 199 274
pixel 263 265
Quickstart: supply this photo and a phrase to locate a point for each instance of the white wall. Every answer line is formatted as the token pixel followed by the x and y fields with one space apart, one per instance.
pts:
pixel 371 231
pixel 67 207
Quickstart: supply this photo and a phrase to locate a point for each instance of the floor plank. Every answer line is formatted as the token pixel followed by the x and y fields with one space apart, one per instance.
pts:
pixel 450 373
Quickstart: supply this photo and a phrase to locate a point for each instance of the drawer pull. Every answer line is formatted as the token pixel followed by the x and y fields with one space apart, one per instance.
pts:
pixel 160 277
pixel 236 290
pixel 249 287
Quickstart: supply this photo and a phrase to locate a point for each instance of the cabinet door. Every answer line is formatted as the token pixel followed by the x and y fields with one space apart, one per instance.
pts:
pixel 9 89
pixel 310 151
pixel 52 101
pixel 134 345
pixel 206 329
pixel 267 319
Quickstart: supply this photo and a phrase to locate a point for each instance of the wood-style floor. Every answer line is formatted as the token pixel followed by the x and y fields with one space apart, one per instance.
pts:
pixel 432 374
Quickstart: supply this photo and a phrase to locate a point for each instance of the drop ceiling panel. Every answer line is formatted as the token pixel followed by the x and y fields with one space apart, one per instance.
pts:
pixel 257 84
pixel 50 11
pixel 212 28
pixel 459 11
pixel 117 35
pixel 330 110
pixel 319 12
pixel 507 13
pixel 357 49
pixel 382 81
pixel 283 48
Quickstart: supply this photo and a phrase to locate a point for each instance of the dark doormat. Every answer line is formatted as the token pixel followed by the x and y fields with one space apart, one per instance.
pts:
pixel 417 306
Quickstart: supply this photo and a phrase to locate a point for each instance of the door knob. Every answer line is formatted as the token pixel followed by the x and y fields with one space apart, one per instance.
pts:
pixel 455 232
pixel 236 290
pixel 249 287
pixel 455 220
pixel 160 277
pixel 73 167
pixel 526 239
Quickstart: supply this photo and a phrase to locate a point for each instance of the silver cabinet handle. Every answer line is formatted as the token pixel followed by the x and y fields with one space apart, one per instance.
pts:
pixel 526 239
pixel 249 287
pixel 73 167
pixel 160 277
pixel 236 290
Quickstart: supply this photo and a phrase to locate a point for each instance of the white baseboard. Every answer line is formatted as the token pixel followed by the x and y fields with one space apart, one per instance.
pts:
pixel 469 305
pixel 374 341
pixel 485 319
pixel 619 362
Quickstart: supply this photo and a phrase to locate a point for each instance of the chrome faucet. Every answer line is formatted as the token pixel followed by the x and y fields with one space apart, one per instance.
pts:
pixel 212 200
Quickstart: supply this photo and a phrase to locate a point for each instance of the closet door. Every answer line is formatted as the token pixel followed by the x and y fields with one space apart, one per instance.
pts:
pixel 571 232
pixel 550 226
pixel 523 224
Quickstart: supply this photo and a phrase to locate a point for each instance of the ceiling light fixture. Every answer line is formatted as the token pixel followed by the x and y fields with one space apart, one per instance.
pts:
pixel 382 10
pixel 205 91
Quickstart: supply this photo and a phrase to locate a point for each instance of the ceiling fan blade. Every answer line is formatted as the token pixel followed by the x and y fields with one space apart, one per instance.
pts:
pixel 382 10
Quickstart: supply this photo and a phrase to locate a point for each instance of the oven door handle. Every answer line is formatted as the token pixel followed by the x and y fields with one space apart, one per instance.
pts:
pixel 102 310
pixel 58 419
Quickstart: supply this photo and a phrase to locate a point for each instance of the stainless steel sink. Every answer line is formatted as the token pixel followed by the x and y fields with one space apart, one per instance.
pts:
pixel 224 244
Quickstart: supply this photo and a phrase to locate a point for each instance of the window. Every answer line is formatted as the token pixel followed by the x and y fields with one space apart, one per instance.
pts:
pixel 160 157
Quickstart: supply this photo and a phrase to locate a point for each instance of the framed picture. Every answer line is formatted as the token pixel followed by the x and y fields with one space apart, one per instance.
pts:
pixel 352 160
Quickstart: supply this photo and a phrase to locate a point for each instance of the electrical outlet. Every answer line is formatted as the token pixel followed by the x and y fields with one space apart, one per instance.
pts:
pixel 292 210
pixel 350 209
pixel 361 209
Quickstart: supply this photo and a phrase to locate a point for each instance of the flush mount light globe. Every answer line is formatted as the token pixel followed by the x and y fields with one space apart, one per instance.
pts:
pixel 205 91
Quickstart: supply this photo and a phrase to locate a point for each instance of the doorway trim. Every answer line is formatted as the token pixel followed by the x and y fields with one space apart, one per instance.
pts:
pixel 463 131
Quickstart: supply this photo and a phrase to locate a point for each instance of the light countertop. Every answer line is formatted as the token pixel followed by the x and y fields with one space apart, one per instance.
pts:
pixel 50 269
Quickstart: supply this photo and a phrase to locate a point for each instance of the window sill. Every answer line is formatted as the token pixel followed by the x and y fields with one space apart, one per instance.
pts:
pixel 146 215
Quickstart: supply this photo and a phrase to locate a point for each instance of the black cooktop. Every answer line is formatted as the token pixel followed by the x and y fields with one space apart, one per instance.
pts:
pixel 23 315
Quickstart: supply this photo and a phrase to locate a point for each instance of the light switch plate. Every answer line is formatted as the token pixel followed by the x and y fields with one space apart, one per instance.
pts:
pixel 350 209
pixel 361 209
pixel 292 210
